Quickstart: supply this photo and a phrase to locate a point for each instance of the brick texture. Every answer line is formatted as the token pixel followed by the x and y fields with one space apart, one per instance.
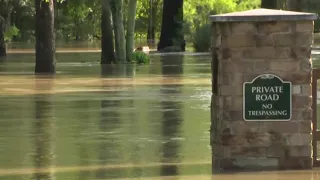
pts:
pixel 245 50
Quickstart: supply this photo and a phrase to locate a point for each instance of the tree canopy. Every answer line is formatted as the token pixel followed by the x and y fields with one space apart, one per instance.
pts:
pixel 81 19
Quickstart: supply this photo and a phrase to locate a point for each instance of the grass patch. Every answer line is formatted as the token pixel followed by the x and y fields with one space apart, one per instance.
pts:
pixel 140 57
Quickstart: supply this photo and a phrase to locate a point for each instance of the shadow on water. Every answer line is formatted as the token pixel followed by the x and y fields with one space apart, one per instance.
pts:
pixel 134 148
pixel 3 61
pixel 43 155
pixel 172 65
pixel 171 116
pixel 84 154
pixel 117 70
pixel 109 124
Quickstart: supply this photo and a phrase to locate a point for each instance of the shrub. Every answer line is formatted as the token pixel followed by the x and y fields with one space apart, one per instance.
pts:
pixel 10 33
pixel 139 57
pixel 202 38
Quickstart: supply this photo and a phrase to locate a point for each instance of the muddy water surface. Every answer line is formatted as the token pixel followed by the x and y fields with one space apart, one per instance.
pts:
pixel 90 122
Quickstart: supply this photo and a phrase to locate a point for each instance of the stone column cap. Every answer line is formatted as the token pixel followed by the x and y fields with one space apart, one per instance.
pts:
pixel 263 15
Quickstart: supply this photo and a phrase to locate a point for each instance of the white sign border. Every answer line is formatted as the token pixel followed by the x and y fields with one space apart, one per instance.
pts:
pixel 244 99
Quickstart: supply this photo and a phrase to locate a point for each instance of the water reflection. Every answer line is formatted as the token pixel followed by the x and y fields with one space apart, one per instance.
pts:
pixel 117 70
pixel 134 129
pixel 131 127
pixel 43 135
pixel 172 65
pixel 84 148
pixel 3 61
pixel 109 124
pixel 171 116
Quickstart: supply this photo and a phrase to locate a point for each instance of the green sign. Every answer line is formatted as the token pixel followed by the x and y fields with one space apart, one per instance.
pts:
pixel 267 98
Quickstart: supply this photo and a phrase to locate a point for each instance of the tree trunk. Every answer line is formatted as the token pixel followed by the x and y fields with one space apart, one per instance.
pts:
pixel 172 38
pixel 132 6
pixel 295 5
pixel 121 34
pixel 151 33
pixel 115 28
pixel 269 4
pixel 6 12
pixel 107 48
pixel 2 43
pixel 8 17
pixel 120 40
pixel 45 41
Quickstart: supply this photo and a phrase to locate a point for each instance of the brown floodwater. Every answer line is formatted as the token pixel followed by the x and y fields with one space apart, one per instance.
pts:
pixel 110 122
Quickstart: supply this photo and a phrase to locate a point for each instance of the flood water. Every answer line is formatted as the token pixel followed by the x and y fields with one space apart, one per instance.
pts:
pixel 111 122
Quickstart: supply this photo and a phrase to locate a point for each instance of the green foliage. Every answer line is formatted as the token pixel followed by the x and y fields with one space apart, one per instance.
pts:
pixel 196 12
pixel 78 20
pixel 201 42
pixel 10 33
pixel 139 57
pixel 196 15
pixel 143 15
pixel 313 7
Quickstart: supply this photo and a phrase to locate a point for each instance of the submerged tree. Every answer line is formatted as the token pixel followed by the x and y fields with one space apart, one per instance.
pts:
pixel 119 33
pixel 152 21
pixel 45 40
pixel 115 27
pixel 2 43
pixel 107 48
pixel 172 38
pixel 132 6
pixel 6 11
pixel 269 4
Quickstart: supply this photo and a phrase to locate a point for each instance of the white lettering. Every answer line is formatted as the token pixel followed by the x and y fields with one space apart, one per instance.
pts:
pixel 259 89
pixel 281 89
pixel 253 89
pixel 267 89
pixel 268 113
pixel 266 106
pixel 267 97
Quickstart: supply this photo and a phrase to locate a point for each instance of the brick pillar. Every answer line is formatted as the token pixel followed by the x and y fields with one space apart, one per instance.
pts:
pixel 246 45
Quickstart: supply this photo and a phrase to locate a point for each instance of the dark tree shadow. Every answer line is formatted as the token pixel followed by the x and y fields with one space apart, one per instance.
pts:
pixel 172 65
pixel 117 70
pixel 42 134
pixel 84 154
pixel 3 63
pixel 110 121
pixel 171 115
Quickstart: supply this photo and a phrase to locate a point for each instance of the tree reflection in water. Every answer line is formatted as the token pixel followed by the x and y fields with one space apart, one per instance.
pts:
pixel 110 117
pixel 43 155
pixel 171 115
pixel 82 107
